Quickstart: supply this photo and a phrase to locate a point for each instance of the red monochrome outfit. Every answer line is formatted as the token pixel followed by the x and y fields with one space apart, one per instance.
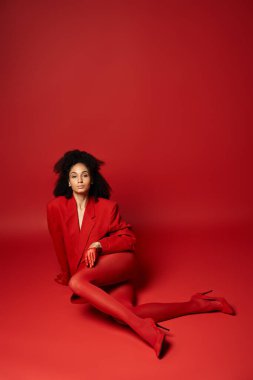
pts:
pixel 101 223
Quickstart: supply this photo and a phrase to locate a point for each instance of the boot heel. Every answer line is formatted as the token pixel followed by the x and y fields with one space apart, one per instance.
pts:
pixel 209 291
pixel 225 306
pixel 162 327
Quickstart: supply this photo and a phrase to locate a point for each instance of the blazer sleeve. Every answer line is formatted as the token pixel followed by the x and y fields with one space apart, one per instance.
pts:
pixel 120 235
pixel 57 238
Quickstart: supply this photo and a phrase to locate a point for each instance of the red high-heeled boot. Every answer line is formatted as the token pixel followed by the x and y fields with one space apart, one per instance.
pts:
pixel 158 345
pixel 226 308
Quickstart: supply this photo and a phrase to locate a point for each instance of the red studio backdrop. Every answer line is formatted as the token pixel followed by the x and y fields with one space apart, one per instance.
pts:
pixel 162 92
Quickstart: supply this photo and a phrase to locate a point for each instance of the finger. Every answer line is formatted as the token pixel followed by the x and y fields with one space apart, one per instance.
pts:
pixel 89 258
pixel 86 260
pixel 92 257
pixel 93 252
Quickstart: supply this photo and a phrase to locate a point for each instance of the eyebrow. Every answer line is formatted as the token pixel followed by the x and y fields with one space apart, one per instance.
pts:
pixel 85 171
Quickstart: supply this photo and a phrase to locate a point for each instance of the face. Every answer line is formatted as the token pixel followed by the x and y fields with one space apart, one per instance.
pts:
pixel 79 179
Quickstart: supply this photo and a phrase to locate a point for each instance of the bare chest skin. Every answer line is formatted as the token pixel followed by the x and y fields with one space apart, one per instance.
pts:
pixel 80 217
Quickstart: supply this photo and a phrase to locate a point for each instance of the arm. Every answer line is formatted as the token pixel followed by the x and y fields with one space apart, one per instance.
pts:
pixel 120 236
pixel 58 243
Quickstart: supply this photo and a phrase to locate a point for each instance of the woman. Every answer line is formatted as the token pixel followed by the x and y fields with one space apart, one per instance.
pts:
pixel 95 249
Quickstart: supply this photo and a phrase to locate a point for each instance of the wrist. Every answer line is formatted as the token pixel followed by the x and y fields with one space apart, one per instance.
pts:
pixel 97 245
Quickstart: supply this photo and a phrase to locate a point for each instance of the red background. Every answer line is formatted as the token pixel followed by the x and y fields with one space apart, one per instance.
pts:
pixel 162 91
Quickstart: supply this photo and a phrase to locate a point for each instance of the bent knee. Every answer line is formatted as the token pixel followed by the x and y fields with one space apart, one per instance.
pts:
pixel 77 281
pixel 73 283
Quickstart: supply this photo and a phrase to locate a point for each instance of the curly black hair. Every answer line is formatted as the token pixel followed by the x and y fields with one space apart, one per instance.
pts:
pixel 99 188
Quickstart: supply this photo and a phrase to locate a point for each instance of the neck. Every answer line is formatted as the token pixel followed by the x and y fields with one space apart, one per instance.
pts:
pixel 81 200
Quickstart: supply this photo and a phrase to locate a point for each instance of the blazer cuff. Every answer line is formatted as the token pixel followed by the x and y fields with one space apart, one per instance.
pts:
pixel 104 246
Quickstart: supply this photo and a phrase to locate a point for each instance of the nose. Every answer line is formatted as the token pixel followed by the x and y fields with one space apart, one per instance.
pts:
pixel 80 179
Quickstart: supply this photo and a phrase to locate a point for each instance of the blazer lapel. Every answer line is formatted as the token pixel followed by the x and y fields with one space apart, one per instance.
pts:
pixel 72 218
pixel 87 226
pixel 80 237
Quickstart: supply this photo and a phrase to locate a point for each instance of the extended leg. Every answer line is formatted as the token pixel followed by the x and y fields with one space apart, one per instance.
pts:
pixel 112 269
pixel 159 311
pixel 164 311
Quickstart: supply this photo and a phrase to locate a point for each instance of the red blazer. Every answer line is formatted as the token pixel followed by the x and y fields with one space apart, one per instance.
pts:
pixel 101 222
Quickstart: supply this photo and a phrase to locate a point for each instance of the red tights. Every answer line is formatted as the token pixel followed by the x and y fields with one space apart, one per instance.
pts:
pixel 118 268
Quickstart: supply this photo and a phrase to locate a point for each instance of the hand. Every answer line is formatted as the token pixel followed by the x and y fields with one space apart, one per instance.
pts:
pixel 62 278
pixel 90 256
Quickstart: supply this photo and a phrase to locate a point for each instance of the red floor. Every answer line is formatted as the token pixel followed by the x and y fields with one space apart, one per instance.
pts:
pixel 44 336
